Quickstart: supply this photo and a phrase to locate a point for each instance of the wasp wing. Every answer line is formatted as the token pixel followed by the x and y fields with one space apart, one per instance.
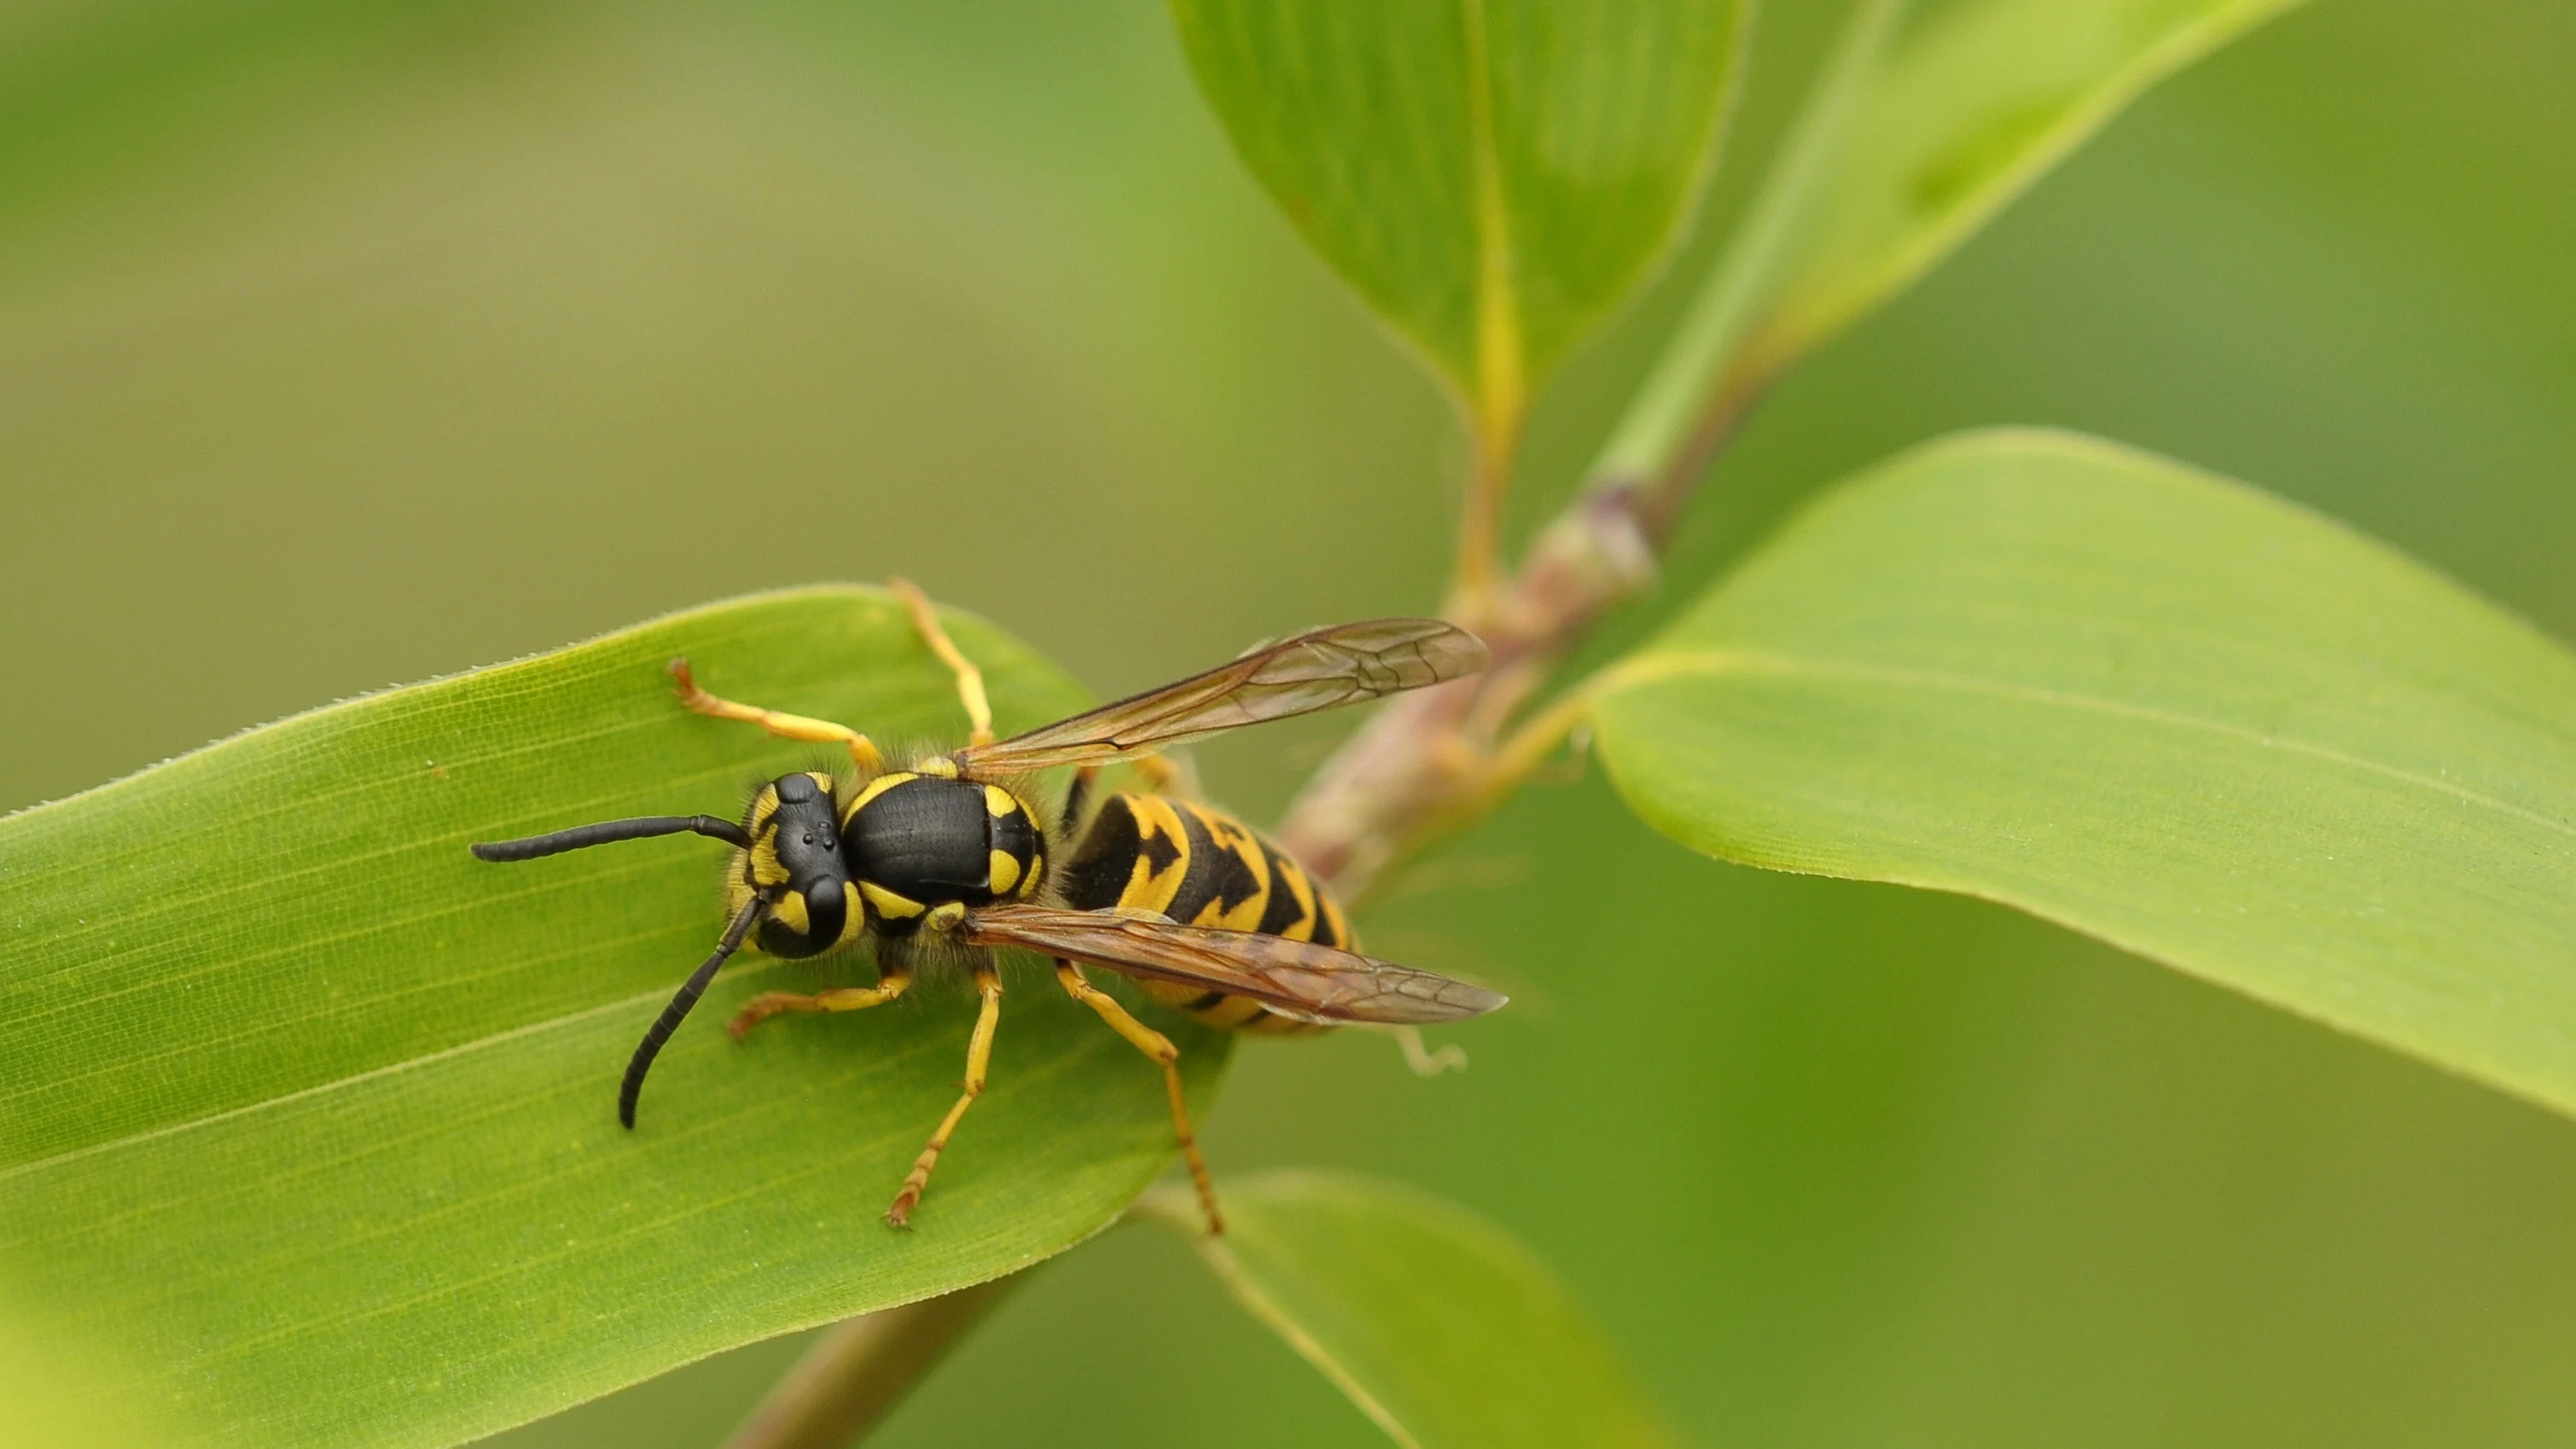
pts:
pixel 1316 670
pixel 1303 979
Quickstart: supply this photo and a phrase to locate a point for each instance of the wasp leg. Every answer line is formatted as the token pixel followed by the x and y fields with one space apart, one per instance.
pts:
pixel 891 982
pixel 970 680
pixel 1425 1062
pixel 785 726
pixel 1158 1046
pixel 1160 774
pixel 979 1055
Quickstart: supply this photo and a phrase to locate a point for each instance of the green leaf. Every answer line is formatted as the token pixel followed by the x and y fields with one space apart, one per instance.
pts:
pixel 1441 1327
pixel 59 1392
pixel 1908 144
pixel 2153 705
pixel 1493 176
pixel 314 1113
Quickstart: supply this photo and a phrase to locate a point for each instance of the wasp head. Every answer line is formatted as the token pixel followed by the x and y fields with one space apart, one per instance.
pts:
pixel 794 865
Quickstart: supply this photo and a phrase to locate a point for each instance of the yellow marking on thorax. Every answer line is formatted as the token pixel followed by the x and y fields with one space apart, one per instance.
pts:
pixel 889 905
pixel 854 913
pixel 876 787
pixel 945 915
pixel 1002 872
pixel 939 765
pixel 999 803
pixel 1037 874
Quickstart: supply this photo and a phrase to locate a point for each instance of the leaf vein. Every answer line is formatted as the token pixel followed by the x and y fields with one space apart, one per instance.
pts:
pixel 1648 668
pixel 500 1038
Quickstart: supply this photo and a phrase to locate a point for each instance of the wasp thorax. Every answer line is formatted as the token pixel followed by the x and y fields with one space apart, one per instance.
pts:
pixel 918 842
pixel 794 864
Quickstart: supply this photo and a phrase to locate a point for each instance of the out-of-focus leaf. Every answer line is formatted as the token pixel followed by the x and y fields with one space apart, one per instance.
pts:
pixel 97 95
pixel 2156 706
pixel 1911 139
pixel 313 1114
pixel 1443 1329
pixel 1492 177
pixel 59 1392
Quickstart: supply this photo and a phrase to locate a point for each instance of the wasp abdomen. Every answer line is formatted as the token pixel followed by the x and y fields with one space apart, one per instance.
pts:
pixel 1201 868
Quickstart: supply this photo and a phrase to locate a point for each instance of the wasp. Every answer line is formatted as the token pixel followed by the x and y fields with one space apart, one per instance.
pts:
pixel 948 855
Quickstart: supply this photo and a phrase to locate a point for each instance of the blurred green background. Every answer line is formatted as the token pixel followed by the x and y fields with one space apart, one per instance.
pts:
pixel 349 343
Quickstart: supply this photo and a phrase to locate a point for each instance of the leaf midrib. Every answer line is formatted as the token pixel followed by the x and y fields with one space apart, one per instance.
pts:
pixel 394 926
pixel 360 1008
pixel 1657 665
pixel 426 1059
pixel 1499 361
pixel 1166 1207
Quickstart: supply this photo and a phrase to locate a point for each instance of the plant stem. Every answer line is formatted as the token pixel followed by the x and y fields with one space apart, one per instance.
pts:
pixel 1499 394
pixel 862 1367
pixel 1436 758
pixel 1429 761
pixel 1477 570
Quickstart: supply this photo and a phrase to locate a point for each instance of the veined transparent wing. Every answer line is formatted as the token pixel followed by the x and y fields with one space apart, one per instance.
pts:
pixel 1295 978
pixel 1321 669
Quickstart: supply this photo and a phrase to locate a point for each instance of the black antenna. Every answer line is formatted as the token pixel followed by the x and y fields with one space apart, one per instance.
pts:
pixel 678 1011
pixel 582 837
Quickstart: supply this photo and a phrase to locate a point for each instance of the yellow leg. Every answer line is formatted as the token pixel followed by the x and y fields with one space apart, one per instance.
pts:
pixel 970 680
pixel 1422 1059
pixel 1158 1046
pixel 979 1055
pixel 890 984
pixel 785 726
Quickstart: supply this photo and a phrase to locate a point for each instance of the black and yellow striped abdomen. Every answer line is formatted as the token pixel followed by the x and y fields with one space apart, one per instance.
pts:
pixel 1201 868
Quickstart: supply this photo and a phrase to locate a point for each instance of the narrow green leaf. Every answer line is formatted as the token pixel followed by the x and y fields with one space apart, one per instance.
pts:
pixel 60 1392
pixel 314 1114
pixel 2154 705
pixel 1972 108
pixel 1440 1327
pixel 1493 176
pixel 1910 140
